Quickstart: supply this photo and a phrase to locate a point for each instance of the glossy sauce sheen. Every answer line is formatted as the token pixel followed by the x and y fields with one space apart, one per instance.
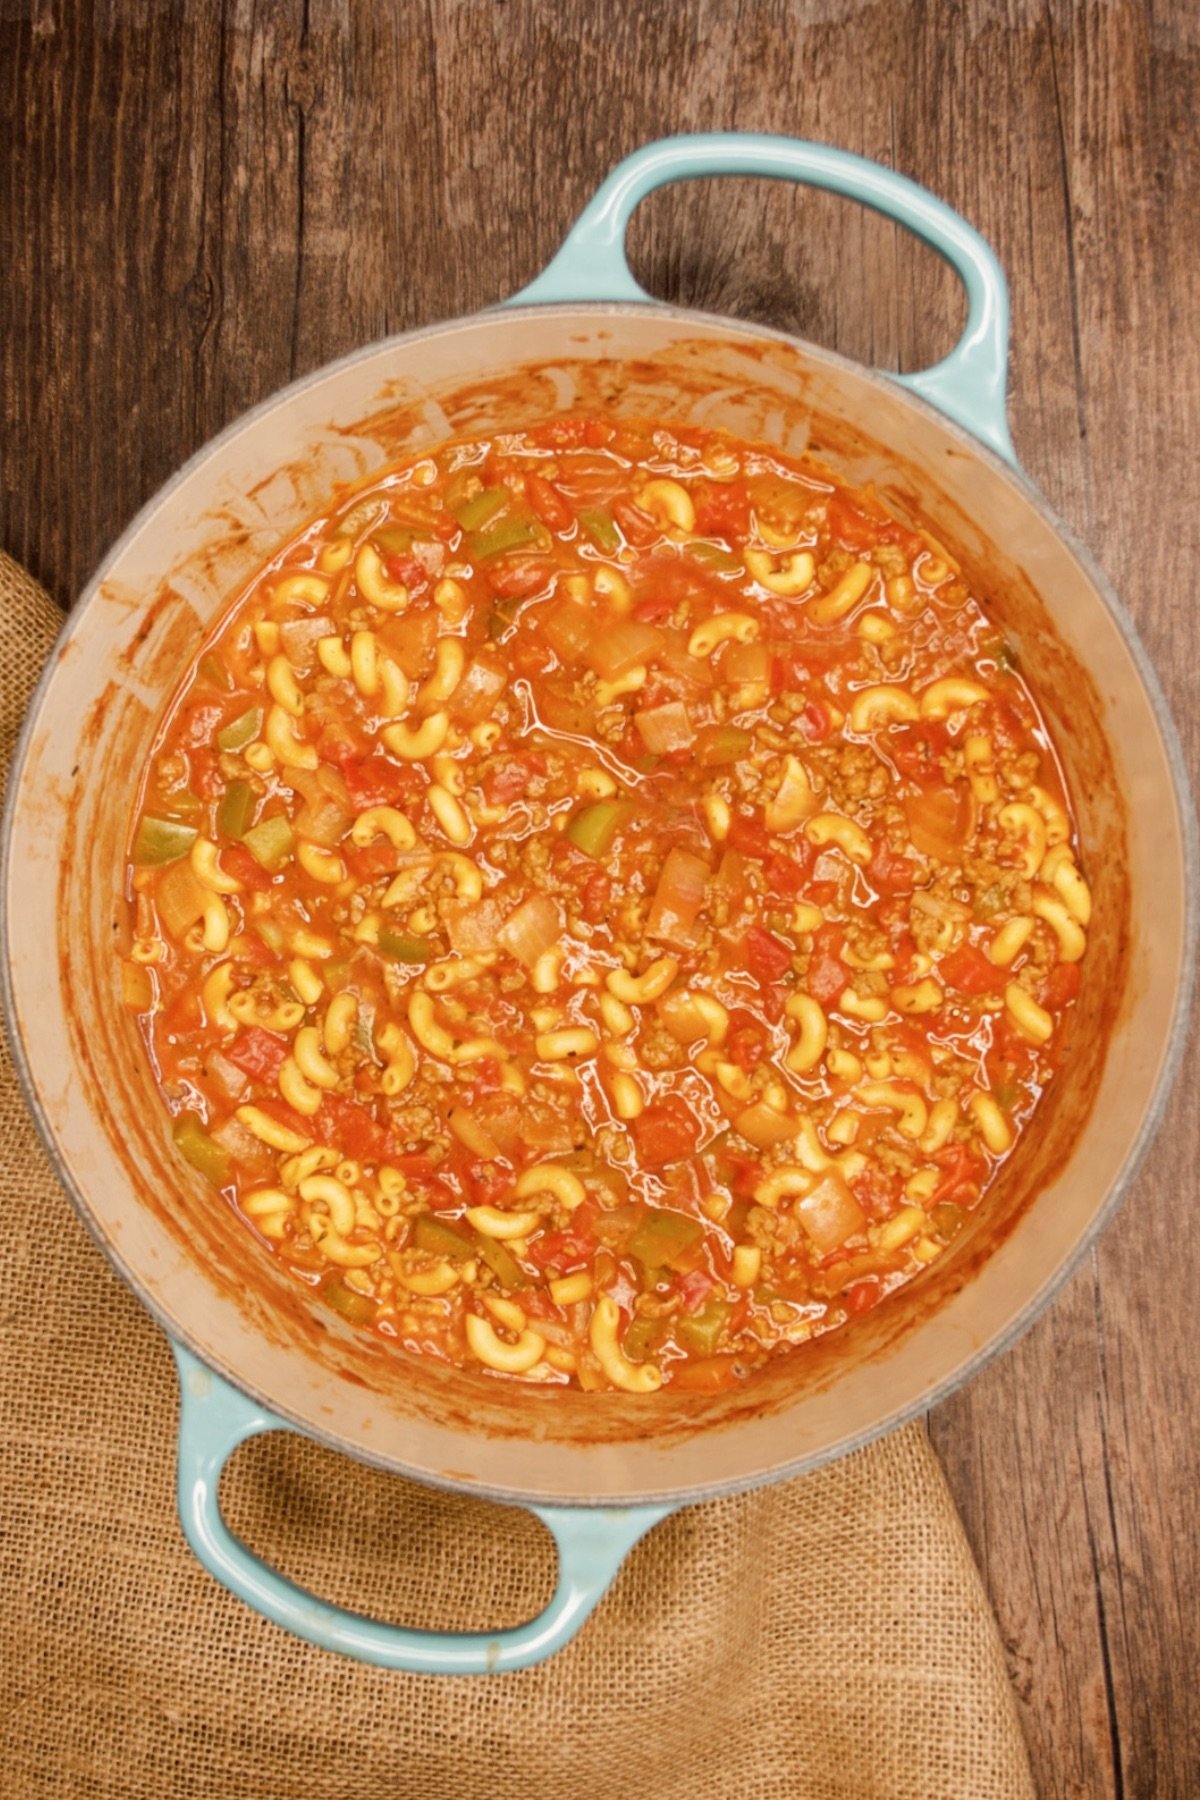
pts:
pixel 604 905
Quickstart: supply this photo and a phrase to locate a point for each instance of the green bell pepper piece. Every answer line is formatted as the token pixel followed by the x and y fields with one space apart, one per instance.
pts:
pixel 195 1146
pixel 593 829
pixel 701 1332
pixel 161 840
pixel 236 809
pixel 271 933
pixel 213 671
pixel 601 528
pixel 438 1238
pixel 356 1307
pixel 482 508
pixel 718 745
pixel 402 947
pixel 395 540
pixel 270 842
pixel 501 1262
pixel 241 731
pixel 639 1338
pixel 664 1237
pixel 509 534
pixel 716 558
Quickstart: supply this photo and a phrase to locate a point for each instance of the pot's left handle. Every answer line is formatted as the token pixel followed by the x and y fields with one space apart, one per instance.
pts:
pixel 592 1543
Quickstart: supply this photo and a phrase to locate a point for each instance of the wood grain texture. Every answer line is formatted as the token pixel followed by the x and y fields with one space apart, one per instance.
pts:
pixel 199 202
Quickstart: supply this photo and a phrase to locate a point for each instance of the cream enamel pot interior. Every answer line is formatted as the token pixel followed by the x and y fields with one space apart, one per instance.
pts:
pixel 599 1469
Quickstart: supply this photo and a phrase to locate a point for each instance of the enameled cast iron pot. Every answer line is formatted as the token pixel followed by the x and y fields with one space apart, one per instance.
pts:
pixel 599 1470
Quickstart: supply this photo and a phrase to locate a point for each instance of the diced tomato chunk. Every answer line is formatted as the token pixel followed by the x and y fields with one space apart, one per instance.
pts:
pixel 694 1288
pixel 969 970
pixel 1061 985
pixel 876 1192
pixel 748 834
pixel 287 1116
pixel 378 781
pixel 853 528
pixel 827 973
pixel 637 526
pixel 917 750
pixel 258 1053
pixel 487 1078
pixel 509 779
pixel 962 1176
pixel 745 1041
pixel 767 957
pixel 199 723
pixel 561 1250
pixel 722 509
pixel 890 873
pixel 206 777
pixel 244 868
pixel 414 1165
pixel 380 858
pixel 252 949
pixel 786 874
pixel 861 1296
pixel 349 1126
pixel 408 572
pixel 666 1132
pixel 815 722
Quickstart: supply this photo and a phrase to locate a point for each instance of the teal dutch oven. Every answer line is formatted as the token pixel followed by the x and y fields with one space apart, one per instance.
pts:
pixel 599 1470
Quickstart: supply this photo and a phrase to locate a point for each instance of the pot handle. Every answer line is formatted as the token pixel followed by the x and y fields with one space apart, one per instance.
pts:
pixel 592 1543
pixel 969 385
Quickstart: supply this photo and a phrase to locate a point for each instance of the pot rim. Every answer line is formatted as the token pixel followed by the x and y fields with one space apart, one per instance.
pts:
pixel 1172 1054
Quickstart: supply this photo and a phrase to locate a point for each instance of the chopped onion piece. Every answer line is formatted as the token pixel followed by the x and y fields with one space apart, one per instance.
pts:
pixel 534 928
pixel 940 820
pixel 226 1076
pixel 682 1017
pixel 622 646
pixel 664 728
pixel 325 817
pixel 763 1126
pixel 568 628
pixel 678 898
pixel 830 1214
pixel 298 638
pixel 744 663
pixel 473 926
pixel 477 692
pixel 241 1144
pixel 179 898
pixel 675 659
pixel 469 1131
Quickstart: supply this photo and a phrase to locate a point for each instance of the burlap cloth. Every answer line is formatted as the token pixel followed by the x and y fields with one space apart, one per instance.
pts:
pixel 828 1637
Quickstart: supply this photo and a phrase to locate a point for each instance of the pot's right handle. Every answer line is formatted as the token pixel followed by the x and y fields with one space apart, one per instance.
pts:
pixel 969 385
pixel 592 1543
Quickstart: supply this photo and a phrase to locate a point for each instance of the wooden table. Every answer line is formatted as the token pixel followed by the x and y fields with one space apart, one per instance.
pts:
pixel 200 203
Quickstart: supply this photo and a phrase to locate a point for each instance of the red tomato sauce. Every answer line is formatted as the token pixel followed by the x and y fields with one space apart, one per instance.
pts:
pixel 604 904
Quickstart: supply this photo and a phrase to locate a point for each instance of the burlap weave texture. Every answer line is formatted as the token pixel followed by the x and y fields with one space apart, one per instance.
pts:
pixel 825 1639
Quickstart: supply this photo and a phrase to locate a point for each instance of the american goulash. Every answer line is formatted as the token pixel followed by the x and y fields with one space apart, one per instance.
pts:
pixel 604 905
